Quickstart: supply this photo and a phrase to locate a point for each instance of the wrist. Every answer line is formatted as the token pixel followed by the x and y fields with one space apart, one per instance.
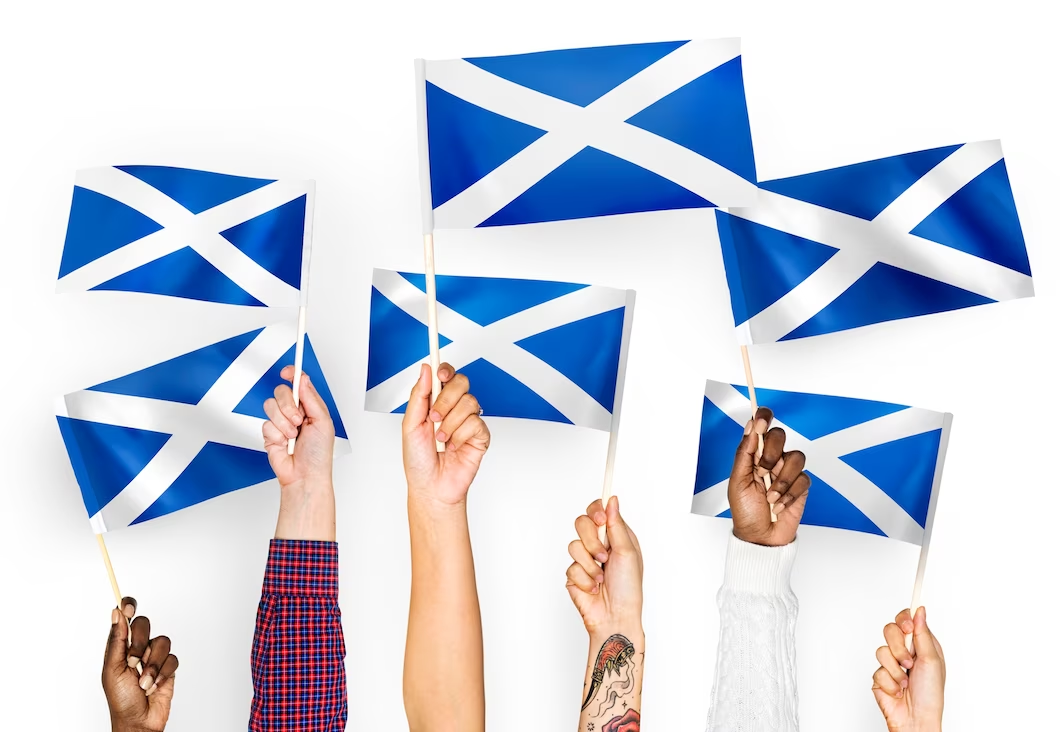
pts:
pixel 631 629
pixel 422 501
pixel 307 510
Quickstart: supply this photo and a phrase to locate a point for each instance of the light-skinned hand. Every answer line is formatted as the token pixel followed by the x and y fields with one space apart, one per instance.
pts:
pixel 442 478
pixel 909 686
pixel 608 596
pixel 310 422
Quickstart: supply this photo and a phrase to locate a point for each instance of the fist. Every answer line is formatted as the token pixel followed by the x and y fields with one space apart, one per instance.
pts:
pixel 138 701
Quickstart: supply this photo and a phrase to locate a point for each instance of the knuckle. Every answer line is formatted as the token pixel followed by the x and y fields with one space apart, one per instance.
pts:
pixel 470 401
pixel 573 546
pixel 460 382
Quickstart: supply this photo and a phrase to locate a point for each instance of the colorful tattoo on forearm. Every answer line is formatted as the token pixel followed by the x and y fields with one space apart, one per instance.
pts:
pixel 615 653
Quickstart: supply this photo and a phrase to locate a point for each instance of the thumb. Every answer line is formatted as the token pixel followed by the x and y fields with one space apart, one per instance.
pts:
pixel 312 402
pixel 419 401
pixel 617 531
pixel 114 662
pixel 923 640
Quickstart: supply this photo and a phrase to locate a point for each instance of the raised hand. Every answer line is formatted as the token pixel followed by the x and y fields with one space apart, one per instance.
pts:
pixel 309 422
pixel 307 494
pixel 444 477
pixel 909 686
pixel 610 595
pixel 748 499
pixel 138 702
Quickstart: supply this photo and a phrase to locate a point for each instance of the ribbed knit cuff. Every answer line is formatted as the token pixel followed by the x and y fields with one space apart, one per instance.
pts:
pixel 302 568
pixel 763 570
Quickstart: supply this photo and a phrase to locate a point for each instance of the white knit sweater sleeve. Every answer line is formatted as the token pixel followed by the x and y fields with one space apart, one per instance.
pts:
pixel 754 682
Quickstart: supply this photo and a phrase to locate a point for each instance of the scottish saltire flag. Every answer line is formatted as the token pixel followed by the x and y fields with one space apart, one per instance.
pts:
pixel 182 431
pixel 553 351
pixel 585 132
pixel 893 238
pixel 189 233
pixel 876 467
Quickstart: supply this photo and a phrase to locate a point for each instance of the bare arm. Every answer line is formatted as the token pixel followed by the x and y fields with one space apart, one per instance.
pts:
pixel 443 680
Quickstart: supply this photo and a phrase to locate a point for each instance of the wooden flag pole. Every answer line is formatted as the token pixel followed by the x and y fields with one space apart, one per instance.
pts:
pixel 921 566
pixel 754 413
pixel 110 571
pixel 299 352
pixel 114 586
pixel 616 409
pixel 432 325
pixel 427 218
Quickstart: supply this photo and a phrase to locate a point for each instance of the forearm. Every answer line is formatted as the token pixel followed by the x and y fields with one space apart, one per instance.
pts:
pixel 298 658
pixel 614 676
pixel 754 681
pixel 307 512
pixel 443 683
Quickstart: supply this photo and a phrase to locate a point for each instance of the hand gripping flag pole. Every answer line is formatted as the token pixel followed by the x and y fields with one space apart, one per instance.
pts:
pixel 114 586
pixel 766 477
pixel 428 234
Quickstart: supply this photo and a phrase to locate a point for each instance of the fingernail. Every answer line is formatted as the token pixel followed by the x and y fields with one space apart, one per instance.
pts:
pixel 596 590
pixel 899 694
pixel 133 660
pixel 130 610
pixel 599 579
pixel 772 496
pixel 152 689
pixel 747 427
pixel 441 436
pixel 436 416
pixel 297 419
pixel 145 682
pixel 600 518
pixel 907 627
pixel 115 616
pixel 907 663
pixel 904 682
pixel 778 507
pixel 760 426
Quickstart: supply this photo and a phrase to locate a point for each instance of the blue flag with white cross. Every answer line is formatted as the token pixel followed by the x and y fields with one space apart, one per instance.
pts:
pixel 182 431
pixel 903 236
pixel 189 233
pixel 876 467
pixel 585 132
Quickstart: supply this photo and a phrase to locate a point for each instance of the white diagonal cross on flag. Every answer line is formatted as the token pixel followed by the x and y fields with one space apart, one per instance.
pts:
pixel 823 459
pixel 191 425
pixel 496 343
pixel 182 228
pixel 885 239
pixel 601 124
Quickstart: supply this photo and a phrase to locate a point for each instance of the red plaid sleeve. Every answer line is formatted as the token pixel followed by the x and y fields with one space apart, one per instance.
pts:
pixel 297 662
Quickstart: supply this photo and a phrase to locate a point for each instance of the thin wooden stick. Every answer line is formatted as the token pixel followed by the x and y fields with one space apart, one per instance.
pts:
pixel 929 524
pixel 432 325
pixel 299 351
pixel 766 477
pixel 616 409
pixel 110 571
pixel 114 586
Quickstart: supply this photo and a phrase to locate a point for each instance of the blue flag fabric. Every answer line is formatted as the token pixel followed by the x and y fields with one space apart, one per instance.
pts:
pixel 182 431
pixel 915 234
pixel 533 349
pixel 875 467
pixel 586 132
pixel 189 234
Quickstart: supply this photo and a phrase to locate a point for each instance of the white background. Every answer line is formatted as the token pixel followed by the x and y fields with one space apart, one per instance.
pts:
pixel 325 91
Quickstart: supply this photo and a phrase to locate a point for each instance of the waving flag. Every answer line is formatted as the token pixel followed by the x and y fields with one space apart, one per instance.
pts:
pixel 586 132
pixel 182 431
pixel 876 467
pixel 553 351
pixel 189 233
pixel 894 238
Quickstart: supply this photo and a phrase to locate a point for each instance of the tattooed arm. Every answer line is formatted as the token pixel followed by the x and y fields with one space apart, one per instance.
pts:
pixel 609 599
pixel 444 685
